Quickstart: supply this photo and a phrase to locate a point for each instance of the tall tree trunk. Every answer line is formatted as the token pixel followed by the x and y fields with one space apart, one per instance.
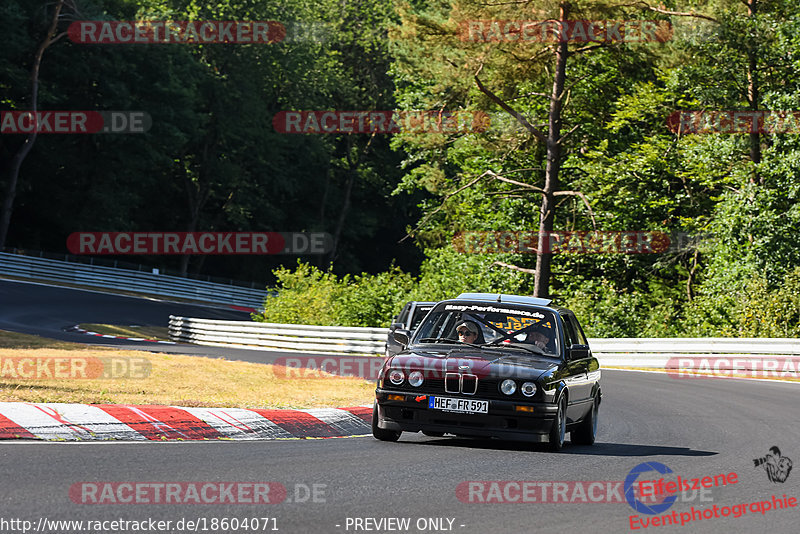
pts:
pixel 340 223
pixel 354 158
pixel 320 259
pixel 25 148
pixel 752 91
pixel 551 178
pixel 196 196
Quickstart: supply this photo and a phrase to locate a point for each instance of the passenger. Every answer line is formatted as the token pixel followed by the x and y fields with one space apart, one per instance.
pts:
pixel 469 332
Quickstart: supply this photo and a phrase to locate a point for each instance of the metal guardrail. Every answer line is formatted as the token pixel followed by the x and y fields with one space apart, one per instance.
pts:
pixel 656 353
pixel 660 353
pixel 127 280
pixel 273 336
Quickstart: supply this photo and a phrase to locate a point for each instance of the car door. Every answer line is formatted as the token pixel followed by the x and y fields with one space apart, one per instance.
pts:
pixel 592 365
pixel 580 388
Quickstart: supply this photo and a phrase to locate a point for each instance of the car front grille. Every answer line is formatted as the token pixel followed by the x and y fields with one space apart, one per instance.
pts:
pixel 471 386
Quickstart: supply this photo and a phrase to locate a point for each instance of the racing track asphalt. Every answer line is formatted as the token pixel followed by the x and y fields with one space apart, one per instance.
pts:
pixel 42 310
pixel 697 427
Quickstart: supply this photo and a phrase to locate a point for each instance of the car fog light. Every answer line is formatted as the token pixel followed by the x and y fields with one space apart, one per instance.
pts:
pixel 508 386
pixel 528 389
pixel 415 379
pixel 396 377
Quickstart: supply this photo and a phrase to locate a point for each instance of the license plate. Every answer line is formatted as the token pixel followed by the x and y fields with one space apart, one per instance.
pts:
pixel 448 404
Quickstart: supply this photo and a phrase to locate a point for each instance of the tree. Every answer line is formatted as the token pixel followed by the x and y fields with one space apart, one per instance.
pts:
pixel 511 77
pixel 52 36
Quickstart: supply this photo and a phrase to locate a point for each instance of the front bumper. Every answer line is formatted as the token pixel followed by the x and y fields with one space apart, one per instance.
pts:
pixel 502 421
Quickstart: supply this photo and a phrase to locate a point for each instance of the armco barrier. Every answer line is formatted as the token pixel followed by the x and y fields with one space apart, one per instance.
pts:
pixel 621 352
pixel 127 280
pixel 656 352
pixel 283 337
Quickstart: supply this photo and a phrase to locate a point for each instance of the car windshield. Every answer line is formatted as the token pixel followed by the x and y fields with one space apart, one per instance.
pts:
pixel 498 325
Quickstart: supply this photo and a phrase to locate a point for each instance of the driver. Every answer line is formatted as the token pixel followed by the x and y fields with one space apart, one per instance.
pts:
pixel 469 332
pixel 542 337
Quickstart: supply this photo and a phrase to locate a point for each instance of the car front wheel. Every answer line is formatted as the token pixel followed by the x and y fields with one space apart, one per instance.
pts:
pixel 558 431
pixel 381 433
pixel 586 431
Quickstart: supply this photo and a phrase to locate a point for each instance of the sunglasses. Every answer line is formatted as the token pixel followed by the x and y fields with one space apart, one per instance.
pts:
pixel 466 333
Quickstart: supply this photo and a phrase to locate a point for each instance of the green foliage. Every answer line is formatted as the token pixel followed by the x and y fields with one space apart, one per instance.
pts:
pixel 213 161
pixel 750 309
pixel 305 296
pixel 372 300
pixel 447 273
pixel 607 310
pixel 310 296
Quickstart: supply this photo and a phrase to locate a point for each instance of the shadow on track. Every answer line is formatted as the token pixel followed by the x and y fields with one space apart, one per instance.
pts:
pixel 598 449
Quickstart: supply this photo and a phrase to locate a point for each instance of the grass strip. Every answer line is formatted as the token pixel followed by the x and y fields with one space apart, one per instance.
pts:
pixel 172 379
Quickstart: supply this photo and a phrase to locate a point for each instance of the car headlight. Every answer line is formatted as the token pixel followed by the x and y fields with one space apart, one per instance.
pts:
pixel 508 386
pixel 415 378
pixel 396 377
pixel 528 389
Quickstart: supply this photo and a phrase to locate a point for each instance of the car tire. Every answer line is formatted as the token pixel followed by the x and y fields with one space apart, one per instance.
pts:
pixel 558 431
pixel 433 434
pixel 586 431
pixel 381 433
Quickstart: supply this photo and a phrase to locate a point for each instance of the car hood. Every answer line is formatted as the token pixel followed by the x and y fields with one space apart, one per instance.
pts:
pixel 489 363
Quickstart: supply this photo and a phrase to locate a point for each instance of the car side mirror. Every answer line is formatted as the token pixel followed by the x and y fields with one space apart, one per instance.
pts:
pixel 401 335
pixel 578 352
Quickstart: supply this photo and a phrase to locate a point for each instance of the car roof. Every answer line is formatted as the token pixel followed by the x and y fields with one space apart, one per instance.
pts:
pixel 510 299
pixel 504 298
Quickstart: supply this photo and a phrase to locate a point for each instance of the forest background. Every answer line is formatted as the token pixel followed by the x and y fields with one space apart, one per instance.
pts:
pixel 579 142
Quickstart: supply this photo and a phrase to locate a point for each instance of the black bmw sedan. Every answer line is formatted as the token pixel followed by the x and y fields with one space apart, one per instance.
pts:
pixel 491 365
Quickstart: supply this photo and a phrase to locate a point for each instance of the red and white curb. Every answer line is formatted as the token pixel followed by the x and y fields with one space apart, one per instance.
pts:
pixel 88 333
pixel 79 422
